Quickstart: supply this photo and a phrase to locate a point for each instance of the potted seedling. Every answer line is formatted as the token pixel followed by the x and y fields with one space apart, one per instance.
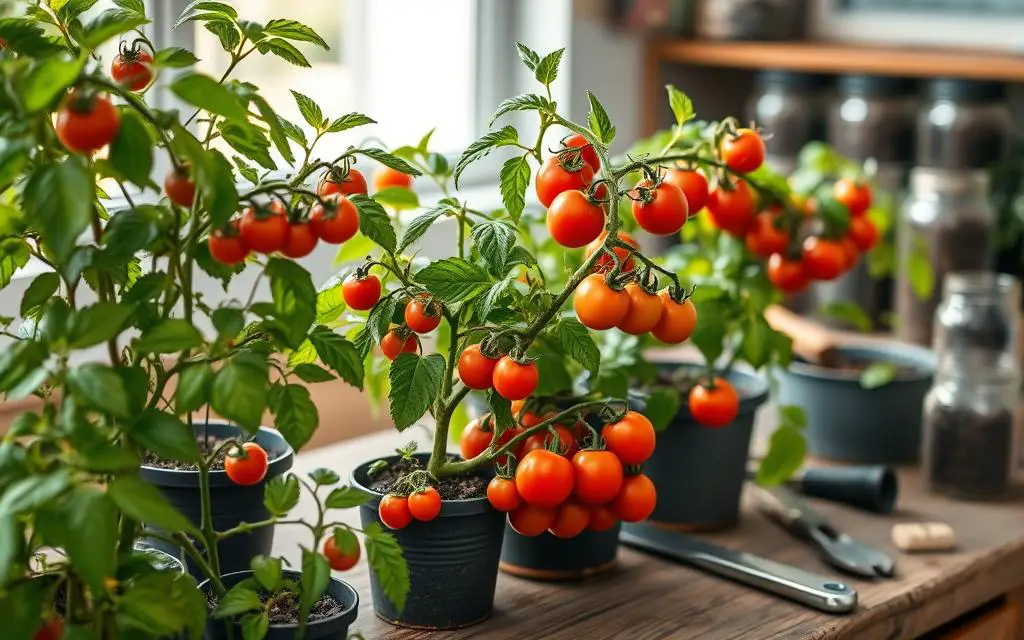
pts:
pixel 111 335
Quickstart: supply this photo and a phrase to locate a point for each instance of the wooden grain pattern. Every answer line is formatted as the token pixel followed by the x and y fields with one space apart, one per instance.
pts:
pixel 841 58
pixel 647 598
pixel 998 624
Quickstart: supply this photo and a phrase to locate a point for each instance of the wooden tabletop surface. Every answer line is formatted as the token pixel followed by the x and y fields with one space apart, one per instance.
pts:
pixel 645 597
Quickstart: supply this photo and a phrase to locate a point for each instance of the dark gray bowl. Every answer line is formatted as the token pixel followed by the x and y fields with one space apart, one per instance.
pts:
pixel 868 426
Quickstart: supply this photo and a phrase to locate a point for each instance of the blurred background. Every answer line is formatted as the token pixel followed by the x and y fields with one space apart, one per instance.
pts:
pixel 935 85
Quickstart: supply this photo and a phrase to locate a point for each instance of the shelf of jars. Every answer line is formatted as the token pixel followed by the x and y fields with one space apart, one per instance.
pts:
pixel 834 58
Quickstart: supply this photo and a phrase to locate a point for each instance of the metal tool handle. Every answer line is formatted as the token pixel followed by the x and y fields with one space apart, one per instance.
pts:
pixel 820 592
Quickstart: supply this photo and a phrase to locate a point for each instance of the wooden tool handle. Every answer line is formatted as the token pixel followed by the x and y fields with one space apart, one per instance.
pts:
pixel 811 341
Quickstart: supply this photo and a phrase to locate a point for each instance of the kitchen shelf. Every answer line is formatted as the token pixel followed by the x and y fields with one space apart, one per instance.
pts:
pixel 842 58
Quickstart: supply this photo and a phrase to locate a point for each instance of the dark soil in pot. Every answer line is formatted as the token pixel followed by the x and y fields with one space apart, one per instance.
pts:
pixel 231 503
pixel 848 422
pixel 330 618
pixel 452 560
pixel 699 472
pixel 450 488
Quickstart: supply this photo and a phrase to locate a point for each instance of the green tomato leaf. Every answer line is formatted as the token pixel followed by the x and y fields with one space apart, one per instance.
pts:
pixel 165 435
pixel 494 240
pixel 785 455
pixel 374 222
pixel 415 384
pixel 193 390
pixel 281 494
pixel 206 93
pixel 170 336
pixel 143 502
pixel 662 407
pixel 849 312
pixel 755 346
pixel 505 136
pixel 255 626
pixel 877 375
pixel 330 303
pixel 109 24
pixel 316 575
pixel 523 102
pixel 277 132
pixel 346 498
pixel 599 121
pixel 310 110
pixel 577 342
pixel 174 58
pixel 37 293
pixel 14 254
pixel 547 68
pixel 91 519
pixel 131 152
pixel 293 30
pixel 390 160
pixel 709 334
pixel 339 354
pixel 240 390
pixel 419 226
pixel 99 387
pixel 34 491
pixel 294 299
pixel 312 373
pixel 59 198
pixel 492 299
pixel 296 416
pixel 682 106
pixel 501 412
pixel 515 178
pixel 48 80
pixel 228 321
pixel 238 600
pixel 284 50
pixel 129 231
pixel 249 141
pixel 528 56
pixel 792 415
pixel 453 279
pixel 23 35
pixel 267 572
pixel 398 198
pixel 349 121
pixel 386 561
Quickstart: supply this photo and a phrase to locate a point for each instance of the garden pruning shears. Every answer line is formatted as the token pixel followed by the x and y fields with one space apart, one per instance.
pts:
pixel 838 549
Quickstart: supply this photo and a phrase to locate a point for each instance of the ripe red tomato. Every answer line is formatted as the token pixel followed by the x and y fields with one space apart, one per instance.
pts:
pixel 764 238
pixel 264 230
pixel 335 227
pixel 52 629
pixel 339 560
pixel 863 233
pixel 823 259
pixel 605 262
pixel 598 476
pixel 562 439
pixel 247 467
pixel 788 276
pixel 422 314
pixel 226 246
pixel 694 186
pixel 602 518
pixel 503 495
pixel 632 438
pixel 361 294
pixel 571 519
pixel 573 220
pixel 732 211
pixel 588 151
pixel 644 313
pixel 667 211
pixel 425 505
pixel 544 478
pixel 513 380
pixel 553 179
pixel 129 69
pixel 850 253
pixel 394 511
pixel 530 520
pixel 678 319
pixel 351 183
pixel 387 177
pixel 743 152
pixel 179 187
pixel 855 196
pixel 636 499
pixel 300 241
pixel 475 369
pixel 392 344
pixel 476 437
pixel 597 305
pixel 714 406
pixel 87 122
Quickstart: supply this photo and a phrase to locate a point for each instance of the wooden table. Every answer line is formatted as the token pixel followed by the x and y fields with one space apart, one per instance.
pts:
pixel 647 597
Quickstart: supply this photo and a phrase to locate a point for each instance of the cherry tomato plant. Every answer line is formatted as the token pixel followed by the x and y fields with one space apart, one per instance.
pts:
pixel 115 341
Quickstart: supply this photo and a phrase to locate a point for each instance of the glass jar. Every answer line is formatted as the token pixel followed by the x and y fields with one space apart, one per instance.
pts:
pixel 972 414
pixel 966 124
pixel 788 106
pixel 874 117
pixel 946 224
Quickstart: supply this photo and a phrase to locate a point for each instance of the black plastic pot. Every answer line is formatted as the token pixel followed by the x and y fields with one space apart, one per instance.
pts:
pixel 546 557
pixel 231 503
pixel 699 472
pixel 453 561
pixel 333 628
pixel 846 422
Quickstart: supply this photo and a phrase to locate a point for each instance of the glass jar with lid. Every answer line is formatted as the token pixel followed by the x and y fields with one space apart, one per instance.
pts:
pixel 789 106
pixel 947 224
pixel 972 414
pixel 874 117
pixel 965 124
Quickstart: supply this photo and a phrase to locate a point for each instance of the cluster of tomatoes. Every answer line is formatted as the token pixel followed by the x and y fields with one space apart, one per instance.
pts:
pixel 634 309
pixel 397 511
pixel 562 486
